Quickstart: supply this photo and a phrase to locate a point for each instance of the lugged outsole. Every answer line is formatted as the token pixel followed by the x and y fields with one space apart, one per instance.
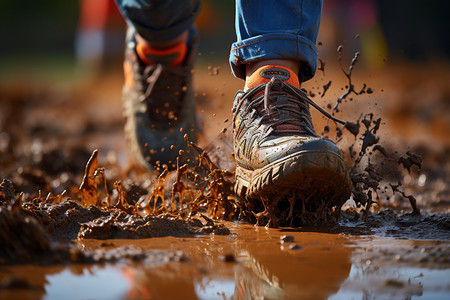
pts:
pixel 323 174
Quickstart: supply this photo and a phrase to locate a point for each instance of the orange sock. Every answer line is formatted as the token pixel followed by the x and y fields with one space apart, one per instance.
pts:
pixel 173 56
pixel 265 73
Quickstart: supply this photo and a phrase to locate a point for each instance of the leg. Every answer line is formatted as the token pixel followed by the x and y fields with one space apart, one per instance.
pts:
pixel 158 96
pixel 278 153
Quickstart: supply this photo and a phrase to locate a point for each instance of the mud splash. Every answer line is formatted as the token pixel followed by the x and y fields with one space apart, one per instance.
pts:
pixel 113 207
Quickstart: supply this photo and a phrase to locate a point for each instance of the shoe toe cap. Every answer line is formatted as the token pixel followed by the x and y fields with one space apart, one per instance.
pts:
pixel 279 148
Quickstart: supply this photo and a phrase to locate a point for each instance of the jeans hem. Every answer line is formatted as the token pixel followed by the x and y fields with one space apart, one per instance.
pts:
pixel 275 46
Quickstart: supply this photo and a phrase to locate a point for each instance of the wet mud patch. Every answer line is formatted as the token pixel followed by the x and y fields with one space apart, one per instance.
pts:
pixel 389 223
pixel 32 229
pixel 24 241
pixel 70 220
pixel 119 225
pixel 411 226
pixel 420 254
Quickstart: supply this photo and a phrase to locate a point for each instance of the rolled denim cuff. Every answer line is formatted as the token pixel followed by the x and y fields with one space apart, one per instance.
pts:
pixel 275 46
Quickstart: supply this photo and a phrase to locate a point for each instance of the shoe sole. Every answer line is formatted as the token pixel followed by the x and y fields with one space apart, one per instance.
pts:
pixel 323 174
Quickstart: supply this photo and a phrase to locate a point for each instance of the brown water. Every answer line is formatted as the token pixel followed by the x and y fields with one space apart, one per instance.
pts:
pixel 250 263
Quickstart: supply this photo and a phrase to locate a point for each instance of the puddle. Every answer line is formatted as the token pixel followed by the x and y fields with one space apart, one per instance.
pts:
pixel 249 263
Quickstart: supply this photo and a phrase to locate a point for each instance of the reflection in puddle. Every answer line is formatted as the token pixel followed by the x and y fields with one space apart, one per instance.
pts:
pixel 215 289
pixel 105 283
pixel 363 282
pixel 398 283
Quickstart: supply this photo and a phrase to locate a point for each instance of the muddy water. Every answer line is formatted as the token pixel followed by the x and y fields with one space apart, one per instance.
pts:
pixel 250 263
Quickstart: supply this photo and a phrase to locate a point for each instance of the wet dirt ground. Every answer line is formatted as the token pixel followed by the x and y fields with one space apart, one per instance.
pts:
pixel 60 241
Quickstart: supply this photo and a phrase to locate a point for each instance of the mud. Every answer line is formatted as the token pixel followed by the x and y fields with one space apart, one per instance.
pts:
pixel 48 179
pixel 26 240
pixel 30 226
pixel 77 213
pixel 350 87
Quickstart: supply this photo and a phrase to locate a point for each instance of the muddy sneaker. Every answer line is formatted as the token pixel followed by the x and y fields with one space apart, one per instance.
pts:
pixel 158 101
pixel 277 150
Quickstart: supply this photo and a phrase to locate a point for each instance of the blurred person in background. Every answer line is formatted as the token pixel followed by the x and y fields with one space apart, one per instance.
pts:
pixel 99 36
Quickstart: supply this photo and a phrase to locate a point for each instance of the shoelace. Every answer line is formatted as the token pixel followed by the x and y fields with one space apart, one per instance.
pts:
pixel 167 83
pixel 297 105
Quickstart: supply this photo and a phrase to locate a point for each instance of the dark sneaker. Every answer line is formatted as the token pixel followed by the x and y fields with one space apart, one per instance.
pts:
pixel 276 148
pixel 159 102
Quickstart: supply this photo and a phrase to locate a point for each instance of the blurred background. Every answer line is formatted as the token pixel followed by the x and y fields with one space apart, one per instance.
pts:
pixel 68 54
pixel 50 37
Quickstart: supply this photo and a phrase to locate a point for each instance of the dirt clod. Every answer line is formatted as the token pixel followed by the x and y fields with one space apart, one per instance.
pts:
pixel 287 239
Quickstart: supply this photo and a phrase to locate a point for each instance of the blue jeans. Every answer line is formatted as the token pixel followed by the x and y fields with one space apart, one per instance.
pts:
pixel 269 29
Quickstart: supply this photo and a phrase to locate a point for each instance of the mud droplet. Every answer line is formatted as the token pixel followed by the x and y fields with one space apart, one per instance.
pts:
pixel 381 150
pixel 321 66
pixel 352 127
pixel 410 160
pixel 326 86
pixel 366 122
pixel 338 132
pixel 368 140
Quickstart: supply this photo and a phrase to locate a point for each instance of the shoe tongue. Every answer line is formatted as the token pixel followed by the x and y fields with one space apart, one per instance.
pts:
pixel 173 56
pixel 265 74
